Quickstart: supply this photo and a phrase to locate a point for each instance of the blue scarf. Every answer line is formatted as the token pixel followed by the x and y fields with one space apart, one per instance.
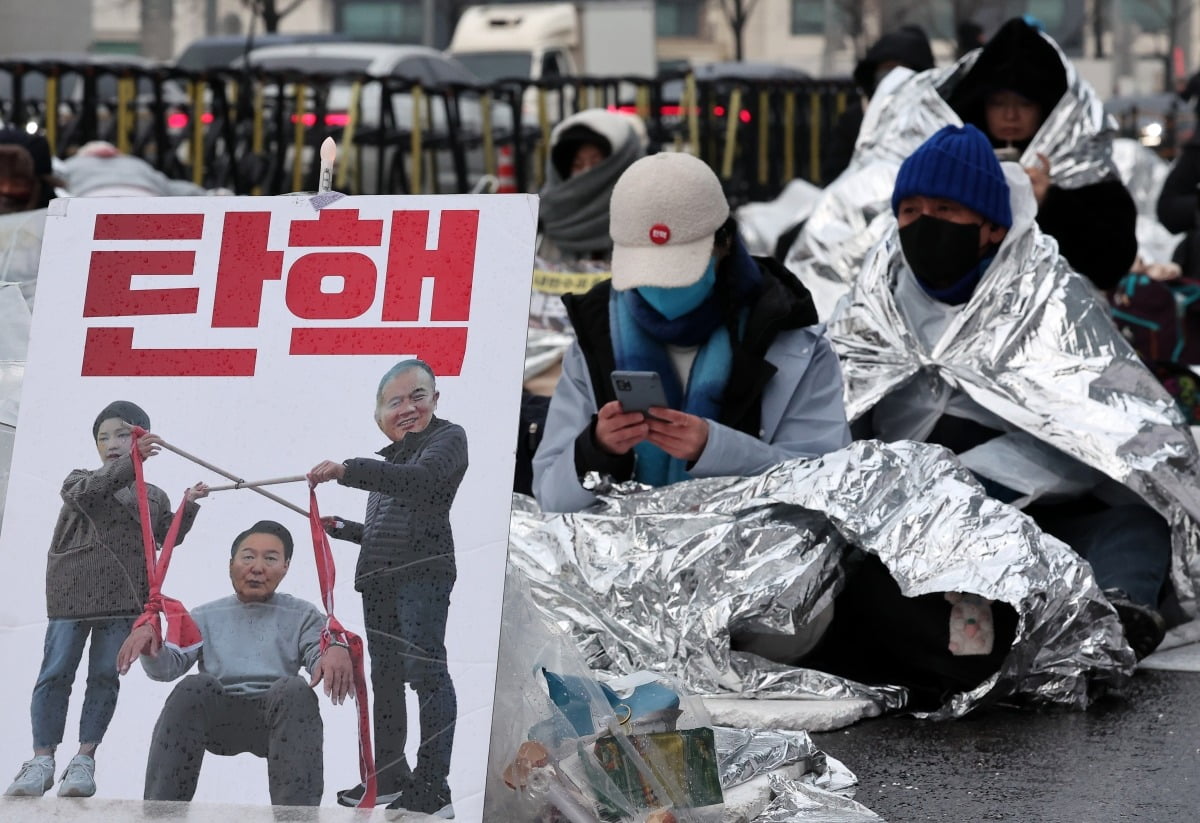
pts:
pixel 639 338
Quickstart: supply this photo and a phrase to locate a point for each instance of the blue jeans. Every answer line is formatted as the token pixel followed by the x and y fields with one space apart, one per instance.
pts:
pixel 1128 547
pixel 60 659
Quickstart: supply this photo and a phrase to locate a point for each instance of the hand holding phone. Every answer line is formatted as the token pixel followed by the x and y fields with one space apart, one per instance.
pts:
pixel 617 431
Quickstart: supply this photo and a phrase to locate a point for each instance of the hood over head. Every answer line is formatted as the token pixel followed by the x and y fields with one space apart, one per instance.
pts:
pixel 908 46
pixel 1018 58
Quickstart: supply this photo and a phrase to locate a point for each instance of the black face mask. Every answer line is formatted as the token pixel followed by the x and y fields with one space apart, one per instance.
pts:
pixel 940 253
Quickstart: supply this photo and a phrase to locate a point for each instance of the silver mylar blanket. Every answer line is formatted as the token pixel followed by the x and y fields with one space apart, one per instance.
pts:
pixel 1143 173
pixel 654 579
pixel 906 110
pixel 1036 348
pixel 823 791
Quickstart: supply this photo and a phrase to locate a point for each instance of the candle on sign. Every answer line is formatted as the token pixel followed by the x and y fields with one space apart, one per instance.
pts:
pixel 328 154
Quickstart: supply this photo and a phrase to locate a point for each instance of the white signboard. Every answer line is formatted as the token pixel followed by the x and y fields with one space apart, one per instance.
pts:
pixel 254 333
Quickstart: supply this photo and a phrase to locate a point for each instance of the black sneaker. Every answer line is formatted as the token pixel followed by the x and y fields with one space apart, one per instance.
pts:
pixel 426 799
pixel 351 797
pixel 1144 627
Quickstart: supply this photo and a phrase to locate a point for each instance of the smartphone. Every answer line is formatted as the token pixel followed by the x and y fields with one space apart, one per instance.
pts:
pixel 639 390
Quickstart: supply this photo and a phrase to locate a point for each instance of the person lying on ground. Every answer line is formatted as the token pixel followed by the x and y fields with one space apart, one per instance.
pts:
pixel 100 169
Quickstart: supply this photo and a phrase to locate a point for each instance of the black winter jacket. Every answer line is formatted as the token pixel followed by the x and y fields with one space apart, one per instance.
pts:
pixel 781 303
pixel 407 525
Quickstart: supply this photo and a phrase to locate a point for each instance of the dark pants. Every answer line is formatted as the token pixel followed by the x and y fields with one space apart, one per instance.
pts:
pixel 406 639
pixel 880 637
pixel 282 724
pixel 1128 547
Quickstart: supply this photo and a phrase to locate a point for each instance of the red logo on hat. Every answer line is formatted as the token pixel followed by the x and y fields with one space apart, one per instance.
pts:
pixel 659 234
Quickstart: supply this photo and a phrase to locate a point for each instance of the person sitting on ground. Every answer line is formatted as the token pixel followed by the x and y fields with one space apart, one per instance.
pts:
pixel 908 46
pixel 588 153
pixel 1065 140
pixel 965 267
pixel 19 186
pixel 247 696
pixel 1009 94
pixel 969 36
pixel 1178 206
pixel 96 586
pixel 748 376
pixel 46 181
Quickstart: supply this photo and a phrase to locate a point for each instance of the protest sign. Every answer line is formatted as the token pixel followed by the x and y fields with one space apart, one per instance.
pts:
pixel 254 333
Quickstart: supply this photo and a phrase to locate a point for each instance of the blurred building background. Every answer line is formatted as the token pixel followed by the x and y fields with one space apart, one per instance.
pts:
pixel 1122 46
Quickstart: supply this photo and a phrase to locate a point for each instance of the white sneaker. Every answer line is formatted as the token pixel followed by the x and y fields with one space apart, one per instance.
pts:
pixel 35 777
pixel 79 780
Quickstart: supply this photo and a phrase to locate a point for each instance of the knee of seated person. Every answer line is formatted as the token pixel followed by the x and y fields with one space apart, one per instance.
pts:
pixel 195 686
pixel 293 690
pixel 1139 522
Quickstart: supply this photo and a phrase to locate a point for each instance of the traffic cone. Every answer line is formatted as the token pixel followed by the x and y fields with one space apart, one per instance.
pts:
pixel 506 172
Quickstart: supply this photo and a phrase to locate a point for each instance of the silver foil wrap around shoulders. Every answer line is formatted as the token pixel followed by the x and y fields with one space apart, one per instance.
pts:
pixel 854 210
pixel 1038 350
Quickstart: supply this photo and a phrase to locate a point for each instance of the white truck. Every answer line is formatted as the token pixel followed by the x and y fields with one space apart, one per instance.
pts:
pixel 541 41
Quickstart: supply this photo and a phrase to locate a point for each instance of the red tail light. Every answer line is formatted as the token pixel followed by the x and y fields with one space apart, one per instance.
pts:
pixel 179 120
pixel 666 110
pixel 339 119
pixel 677 111
pixel 743 115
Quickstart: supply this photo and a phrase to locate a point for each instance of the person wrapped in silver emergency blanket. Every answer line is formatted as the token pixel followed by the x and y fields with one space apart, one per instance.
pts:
pixel 1034 107
pixel 844 575
pixel 967 328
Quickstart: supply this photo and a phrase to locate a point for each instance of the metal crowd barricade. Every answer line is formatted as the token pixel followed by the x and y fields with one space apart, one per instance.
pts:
pixel 72 104
pixel 253 131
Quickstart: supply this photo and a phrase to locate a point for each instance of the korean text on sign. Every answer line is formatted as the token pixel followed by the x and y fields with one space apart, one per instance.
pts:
pixel 124 250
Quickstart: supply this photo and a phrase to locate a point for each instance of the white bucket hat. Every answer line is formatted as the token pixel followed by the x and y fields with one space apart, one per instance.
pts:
pixel 663 214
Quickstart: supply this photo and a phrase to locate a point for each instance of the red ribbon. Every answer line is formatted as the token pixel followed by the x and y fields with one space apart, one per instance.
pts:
pixel 326 573
pixel 182 631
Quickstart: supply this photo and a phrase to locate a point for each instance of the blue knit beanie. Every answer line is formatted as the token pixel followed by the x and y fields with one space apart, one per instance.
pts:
pixel 959 164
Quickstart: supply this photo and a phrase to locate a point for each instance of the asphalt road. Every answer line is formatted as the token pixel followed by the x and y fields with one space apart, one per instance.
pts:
pixel 1136 758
